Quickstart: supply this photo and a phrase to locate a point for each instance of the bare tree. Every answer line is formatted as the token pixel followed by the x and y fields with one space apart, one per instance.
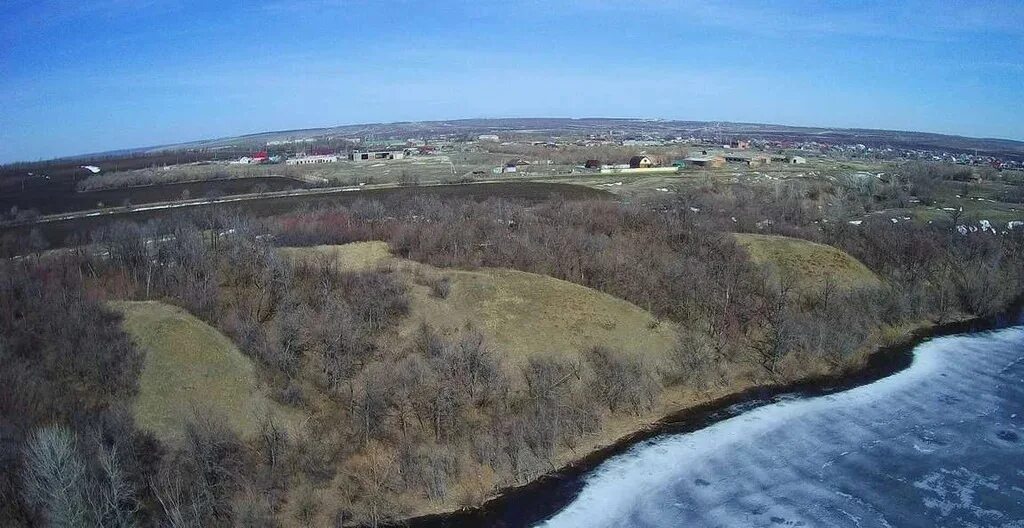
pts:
pixel 55 477
pixel 113 495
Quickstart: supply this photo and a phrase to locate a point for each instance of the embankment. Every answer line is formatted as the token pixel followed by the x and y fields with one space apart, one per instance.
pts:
pixel 535 501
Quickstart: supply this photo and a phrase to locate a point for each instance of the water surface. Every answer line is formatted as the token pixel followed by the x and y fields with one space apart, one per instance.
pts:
pixel 938 444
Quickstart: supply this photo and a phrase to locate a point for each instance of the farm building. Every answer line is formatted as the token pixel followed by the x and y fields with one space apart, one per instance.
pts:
pixel 487 137
pixel 592 164
pixel 311 160
pixel 640 162
pixel 705 162
pixel 372 155
pixel 514 164
pixel 797 160
pixel 751 161
pixel 739 144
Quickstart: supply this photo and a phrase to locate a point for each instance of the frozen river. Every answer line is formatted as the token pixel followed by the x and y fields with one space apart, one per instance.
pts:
pixel 938 444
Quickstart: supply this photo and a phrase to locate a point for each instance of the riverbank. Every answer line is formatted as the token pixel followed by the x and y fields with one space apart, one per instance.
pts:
pixel 537 500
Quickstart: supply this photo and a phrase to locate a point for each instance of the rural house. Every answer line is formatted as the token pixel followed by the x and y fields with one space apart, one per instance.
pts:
pixel 514 164
pixel 640 162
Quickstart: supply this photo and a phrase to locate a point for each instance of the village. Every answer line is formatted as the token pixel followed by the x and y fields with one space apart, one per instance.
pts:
pixel 614 152
pixel 488 155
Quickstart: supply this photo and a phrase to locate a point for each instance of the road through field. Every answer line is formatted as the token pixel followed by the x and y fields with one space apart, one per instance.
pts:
pixel 57 228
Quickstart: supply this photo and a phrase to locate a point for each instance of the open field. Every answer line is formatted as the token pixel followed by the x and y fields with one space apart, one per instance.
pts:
pixel 190 365
pixel 63 199
pixel 810 264
pixel 646 186
pixel 423 168
pixel 58 233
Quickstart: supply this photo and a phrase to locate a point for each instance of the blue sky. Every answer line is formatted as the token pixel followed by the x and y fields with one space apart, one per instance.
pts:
pixel 84 76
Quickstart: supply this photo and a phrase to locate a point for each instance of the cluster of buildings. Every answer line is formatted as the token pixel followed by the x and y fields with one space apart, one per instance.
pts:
pixel 355 155
pixel 704 160
pixel 317 158
pixel 257 158
pixel 709 161
pixel 888 152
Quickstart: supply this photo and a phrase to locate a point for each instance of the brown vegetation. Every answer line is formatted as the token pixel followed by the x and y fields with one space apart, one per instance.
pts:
pixel 439 417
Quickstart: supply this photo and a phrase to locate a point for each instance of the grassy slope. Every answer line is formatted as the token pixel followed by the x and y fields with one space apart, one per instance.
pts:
pixel 524 314
pixel 357 256
pixel 520 313
pixel 812 264
pixel 190 364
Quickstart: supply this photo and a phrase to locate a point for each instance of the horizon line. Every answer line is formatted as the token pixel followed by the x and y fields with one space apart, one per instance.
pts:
pixel 171 146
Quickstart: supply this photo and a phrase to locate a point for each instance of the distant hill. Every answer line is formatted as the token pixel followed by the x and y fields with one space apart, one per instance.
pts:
pixel 627 127
pixel 557 126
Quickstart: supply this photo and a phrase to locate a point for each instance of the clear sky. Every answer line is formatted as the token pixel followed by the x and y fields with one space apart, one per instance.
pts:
pixel 80 76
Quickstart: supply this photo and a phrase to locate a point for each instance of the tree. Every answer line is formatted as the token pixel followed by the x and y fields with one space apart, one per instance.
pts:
pixel 113 497
pixel 377 475
pixel 620 382
pixel 55 477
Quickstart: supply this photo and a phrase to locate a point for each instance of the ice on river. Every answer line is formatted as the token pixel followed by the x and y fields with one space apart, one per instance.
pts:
pixel 938 444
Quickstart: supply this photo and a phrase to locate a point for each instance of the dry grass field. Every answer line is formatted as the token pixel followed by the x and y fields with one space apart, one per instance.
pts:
pixel 421 168
pixel 810 263
pixel 190 365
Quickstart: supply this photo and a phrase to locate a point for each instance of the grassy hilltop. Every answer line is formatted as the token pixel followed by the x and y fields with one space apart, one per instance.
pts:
pixel 191 367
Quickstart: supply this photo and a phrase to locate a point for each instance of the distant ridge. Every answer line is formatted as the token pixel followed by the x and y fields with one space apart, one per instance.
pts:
pixel 597 125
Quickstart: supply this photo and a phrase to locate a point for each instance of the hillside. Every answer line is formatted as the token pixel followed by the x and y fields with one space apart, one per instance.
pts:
pixel 520 314
pixel 809 263
pixel 190 365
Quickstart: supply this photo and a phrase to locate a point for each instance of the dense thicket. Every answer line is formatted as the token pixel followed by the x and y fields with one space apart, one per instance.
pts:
pixel 69 454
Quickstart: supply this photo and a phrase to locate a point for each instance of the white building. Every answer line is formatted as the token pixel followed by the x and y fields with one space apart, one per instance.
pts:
pixel 312 160
pixel 488 137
